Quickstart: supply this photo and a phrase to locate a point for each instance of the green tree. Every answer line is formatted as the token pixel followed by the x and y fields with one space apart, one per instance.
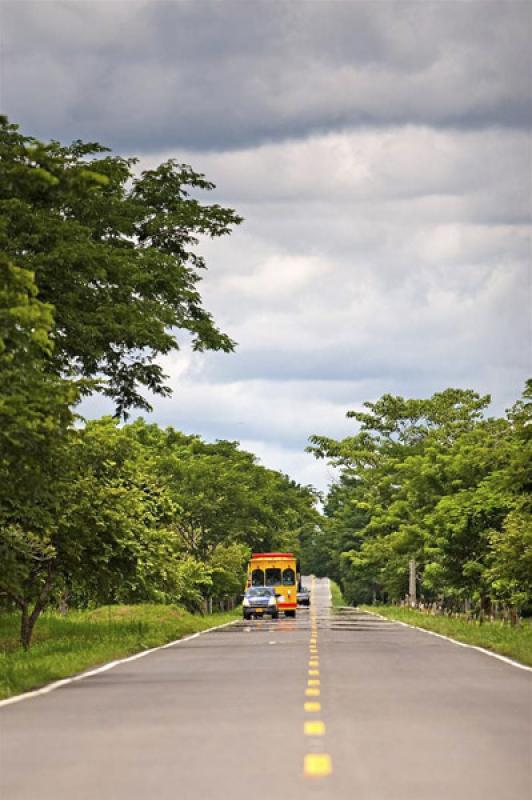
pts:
pixel 228 565
pixel 84 519
pixel 112 253
pixel 391 479
pixel 35 424
pixel 510 569
pixel 474 502
pixel 222 495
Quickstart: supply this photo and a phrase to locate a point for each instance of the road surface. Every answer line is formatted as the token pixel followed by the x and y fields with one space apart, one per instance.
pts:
pixel 336 705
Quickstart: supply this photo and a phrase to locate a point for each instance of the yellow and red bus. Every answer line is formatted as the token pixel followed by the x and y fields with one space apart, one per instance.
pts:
pixel 279 570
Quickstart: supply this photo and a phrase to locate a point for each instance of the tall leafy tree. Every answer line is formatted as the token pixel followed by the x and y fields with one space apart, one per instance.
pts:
pixel 113 252
pixel 394 474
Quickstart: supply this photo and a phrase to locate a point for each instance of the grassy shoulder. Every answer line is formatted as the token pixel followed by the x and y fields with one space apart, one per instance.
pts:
pixel 63 646
pixel 337 597
pixel 511 641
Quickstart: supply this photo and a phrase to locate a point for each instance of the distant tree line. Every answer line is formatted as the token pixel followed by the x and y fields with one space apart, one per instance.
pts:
pixel 98 275
pixel 437 481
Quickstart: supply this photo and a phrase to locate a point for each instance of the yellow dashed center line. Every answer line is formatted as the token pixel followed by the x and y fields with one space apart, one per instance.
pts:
pixel 314 728
pixel 317 765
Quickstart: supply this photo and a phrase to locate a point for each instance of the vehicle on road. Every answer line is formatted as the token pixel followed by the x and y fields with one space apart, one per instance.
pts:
pixel 259 601
pixel 278 571
pixel 303 596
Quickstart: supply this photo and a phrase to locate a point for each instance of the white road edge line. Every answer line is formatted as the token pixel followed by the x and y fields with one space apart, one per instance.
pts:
pixel 51 687
pixel 455 641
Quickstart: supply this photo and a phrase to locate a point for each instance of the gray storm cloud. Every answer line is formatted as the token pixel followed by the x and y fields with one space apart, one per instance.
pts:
pixel 218 75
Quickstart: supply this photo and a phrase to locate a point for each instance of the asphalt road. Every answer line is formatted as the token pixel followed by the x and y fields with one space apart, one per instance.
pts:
pixel 402 715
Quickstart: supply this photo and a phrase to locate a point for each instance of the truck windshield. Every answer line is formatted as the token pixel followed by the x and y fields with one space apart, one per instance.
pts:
pixel 259 591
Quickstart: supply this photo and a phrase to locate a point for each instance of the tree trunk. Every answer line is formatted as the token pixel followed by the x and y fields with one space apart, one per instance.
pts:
pixel 485 608
pixel 412 587
pixel 63 604
pixel 28 620
pixel 27 623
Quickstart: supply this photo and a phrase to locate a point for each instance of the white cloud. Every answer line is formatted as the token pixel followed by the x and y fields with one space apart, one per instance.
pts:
pixel 309 470
pixel 276 278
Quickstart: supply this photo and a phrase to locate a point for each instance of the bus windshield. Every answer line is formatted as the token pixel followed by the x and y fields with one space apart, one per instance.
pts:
pixel 273 576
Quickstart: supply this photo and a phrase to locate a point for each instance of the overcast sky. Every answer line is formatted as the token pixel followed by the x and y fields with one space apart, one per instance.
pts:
pixel 380 153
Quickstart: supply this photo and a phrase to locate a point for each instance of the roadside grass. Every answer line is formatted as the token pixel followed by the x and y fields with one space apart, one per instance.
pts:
pixel 64 646
pixel 507 640
pixel 337 597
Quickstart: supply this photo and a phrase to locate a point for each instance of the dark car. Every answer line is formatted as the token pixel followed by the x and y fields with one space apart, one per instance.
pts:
pixel 303 597
pixel 260 601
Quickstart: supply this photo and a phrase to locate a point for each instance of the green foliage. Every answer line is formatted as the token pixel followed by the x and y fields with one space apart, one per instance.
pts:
pixel 228 564
pixel 34 404
pixel 222 494
pixel 113 256
pixel 510 570
pixel 435 481
pixel 337 598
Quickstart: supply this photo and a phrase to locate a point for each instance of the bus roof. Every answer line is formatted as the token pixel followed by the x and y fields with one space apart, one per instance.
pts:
pixel 271 555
